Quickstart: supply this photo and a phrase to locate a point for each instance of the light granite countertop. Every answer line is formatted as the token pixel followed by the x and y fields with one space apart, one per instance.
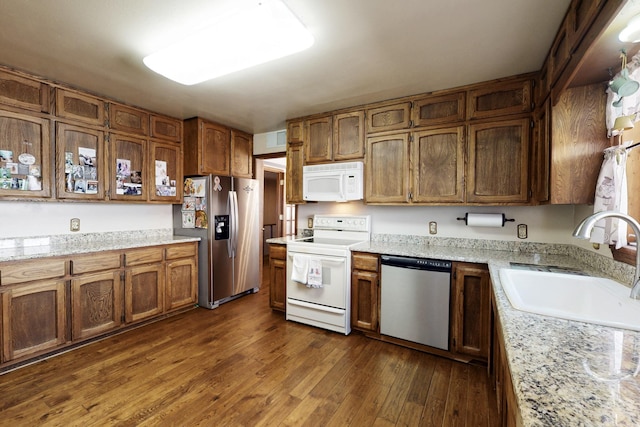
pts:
pixel 565 373
pixel 22 248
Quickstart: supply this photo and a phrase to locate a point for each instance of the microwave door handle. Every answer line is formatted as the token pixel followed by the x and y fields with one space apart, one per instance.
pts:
pixel 343 187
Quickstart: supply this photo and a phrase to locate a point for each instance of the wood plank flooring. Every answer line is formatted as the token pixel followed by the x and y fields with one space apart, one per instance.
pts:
pixel 244 365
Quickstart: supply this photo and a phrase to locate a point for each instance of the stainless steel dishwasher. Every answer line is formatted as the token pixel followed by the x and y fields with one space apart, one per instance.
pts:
pixel 414 301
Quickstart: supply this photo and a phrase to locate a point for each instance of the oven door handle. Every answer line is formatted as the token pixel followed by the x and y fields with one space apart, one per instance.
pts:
pixel 316 306
pixel 324 260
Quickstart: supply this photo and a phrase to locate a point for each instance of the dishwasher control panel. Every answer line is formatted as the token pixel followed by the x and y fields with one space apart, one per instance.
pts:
pixel 416 263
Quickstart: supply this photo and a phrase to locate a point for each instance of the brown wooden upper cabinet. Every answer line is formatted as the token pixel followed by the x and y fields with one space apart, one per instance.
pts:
pixel 25 158
pixel 295 131
pixel 579 17
pixel 436 110
pixel 81 107
pixel 348 136
pixel 165 172
pixel 80 163
pixel 560 53
pixel 129 161
pixel 166 128
pixel 498 167
pixel 207 148
pixel 241 154
pixel 127 119
pixel 295 162
pixel 387 169
pixel 389 117
pixel 499 99
pixel 21 92
pixel 319 136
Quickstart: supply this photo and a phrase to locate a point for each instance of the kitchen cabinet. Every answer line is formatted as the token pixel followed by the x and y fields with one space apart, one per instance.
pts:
pixel 241 154
pixel 129 161
pixel 386 169
pixel 143 284
pixel 498 166
pixel 439 110
pixel 127 119
pixel 470 306
pixel 319 140
pixel 165 128
pixel 437 165
pixel 541 153
pixel 578 137
pixel 24 156
pixel 500 98
pixel 80 163
pixel 96 304
pixel 181 275
pixel 79 107
pixel 295 131
pixel 278 277
pixel 365 292
pixel 165 172
pixel 388 117
pixel 293 176
pixel 348 136
pixel 22 92
pixel 34 318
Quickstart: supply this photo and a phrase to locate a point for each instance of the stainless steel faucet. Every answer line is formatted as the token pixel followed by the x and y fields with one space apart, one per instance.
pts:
pixel 583 231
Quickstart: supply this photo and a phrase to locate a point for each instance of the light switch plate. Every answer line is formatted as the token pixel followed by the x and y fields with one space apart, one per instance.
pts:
pixel 522 231
pixel 74 224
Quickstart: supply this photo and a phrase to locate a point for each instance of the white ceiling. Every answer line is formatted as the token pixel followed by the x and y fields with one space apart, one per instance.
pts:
pixel 364 51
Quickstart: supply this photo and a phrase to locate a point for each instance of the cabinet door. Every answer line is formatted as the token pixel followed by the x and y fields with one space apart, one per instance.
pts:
pixel 80 161
pixel 295 131
pixel 128 119
pixel 216 149
pixel 498 168
pixel 319 140
pixel 541 153
pixel 24 156
pixel 438 165
pixel 499 99
pixel 34 318
pixel 143 292
pixel 348 136
pixel 471 305
pixel 21 92
pixel 389 117
pixel 96 304
pixel 165 172
pixel 436 110
pixel 128 158
pixel 166 128
pixel 278 277
pixel 364 300
pixel 241 154
pixel 80 107
pixel 560 52
pixel 295 161
pixel 181 284
pixel 387 169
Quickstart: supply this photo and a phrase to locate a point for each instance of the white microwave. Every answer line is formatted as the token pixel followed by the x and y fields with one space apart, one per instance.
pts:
pixel 335 182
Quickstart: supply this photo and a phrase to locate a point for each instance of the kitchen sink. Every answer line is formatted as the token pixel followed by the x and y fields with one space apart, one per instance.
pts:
pixel 571 296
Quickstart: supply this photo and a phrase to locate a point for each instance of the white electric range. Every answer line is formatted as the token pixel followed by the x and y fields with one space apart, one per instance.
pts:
pixel 328 305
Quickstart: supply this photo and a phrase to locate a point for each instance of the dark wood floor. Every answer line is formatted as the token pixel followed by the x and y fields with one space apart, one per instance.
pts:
pixel 244 365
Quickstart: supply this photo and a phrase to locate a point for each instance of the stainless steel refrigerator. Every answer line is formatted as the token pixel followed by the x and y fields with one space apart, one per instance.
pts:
pixel 224 212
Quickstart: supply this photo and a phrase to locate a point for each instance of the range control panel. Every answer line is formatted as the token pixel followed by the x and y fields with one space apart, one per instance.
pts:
pixel 342 222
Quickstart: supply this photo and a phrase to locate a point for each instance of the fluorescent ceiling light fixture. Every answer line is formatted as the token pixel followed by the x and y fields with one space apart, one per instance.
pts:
pixel 258 32
pixel 631 33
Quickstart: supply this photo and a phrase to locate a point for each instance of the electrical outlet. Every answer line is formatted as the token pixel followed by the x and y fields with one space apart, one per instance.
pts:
pixel 433 227
pixel 75 224
pixel 522 231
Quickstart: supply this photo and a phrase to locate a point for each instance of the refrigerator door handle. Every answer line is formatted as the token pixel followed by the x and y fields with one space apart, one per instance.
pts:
pixel 232 221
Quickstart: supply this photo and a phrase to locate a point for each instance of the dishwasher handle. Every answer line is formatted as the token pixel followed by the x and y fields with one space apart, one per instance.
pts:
pixel 416 263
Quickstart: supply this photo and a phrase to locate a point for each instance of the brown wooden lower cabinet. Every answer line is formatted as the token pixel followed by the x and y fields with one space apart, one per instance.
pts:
pixel 34 318
pixel 51 303
pixel 278 277
pixel 365 291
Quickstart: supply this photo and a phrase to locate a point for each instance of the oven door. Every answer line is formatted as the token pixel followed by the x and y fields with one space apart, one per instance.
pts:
pixel 335 283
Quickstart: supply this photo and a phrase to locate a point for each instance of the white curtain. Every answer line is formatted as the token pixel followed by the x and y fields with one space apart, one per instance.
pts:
pixel 611 195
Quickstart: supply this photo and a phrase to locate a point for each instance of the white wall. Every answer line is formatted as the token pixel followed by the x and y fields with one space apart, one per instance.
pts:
pixel 546 224
pixel 267 143
pixel 25 219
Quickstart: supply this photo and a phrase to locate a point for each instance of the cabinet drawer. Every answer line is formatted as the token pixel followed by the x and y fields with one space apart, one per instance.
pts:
pixel 27 271
pixel 360 261
pixel 278 251
pixel 143 256
pixel 180 251
pixel 95 262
